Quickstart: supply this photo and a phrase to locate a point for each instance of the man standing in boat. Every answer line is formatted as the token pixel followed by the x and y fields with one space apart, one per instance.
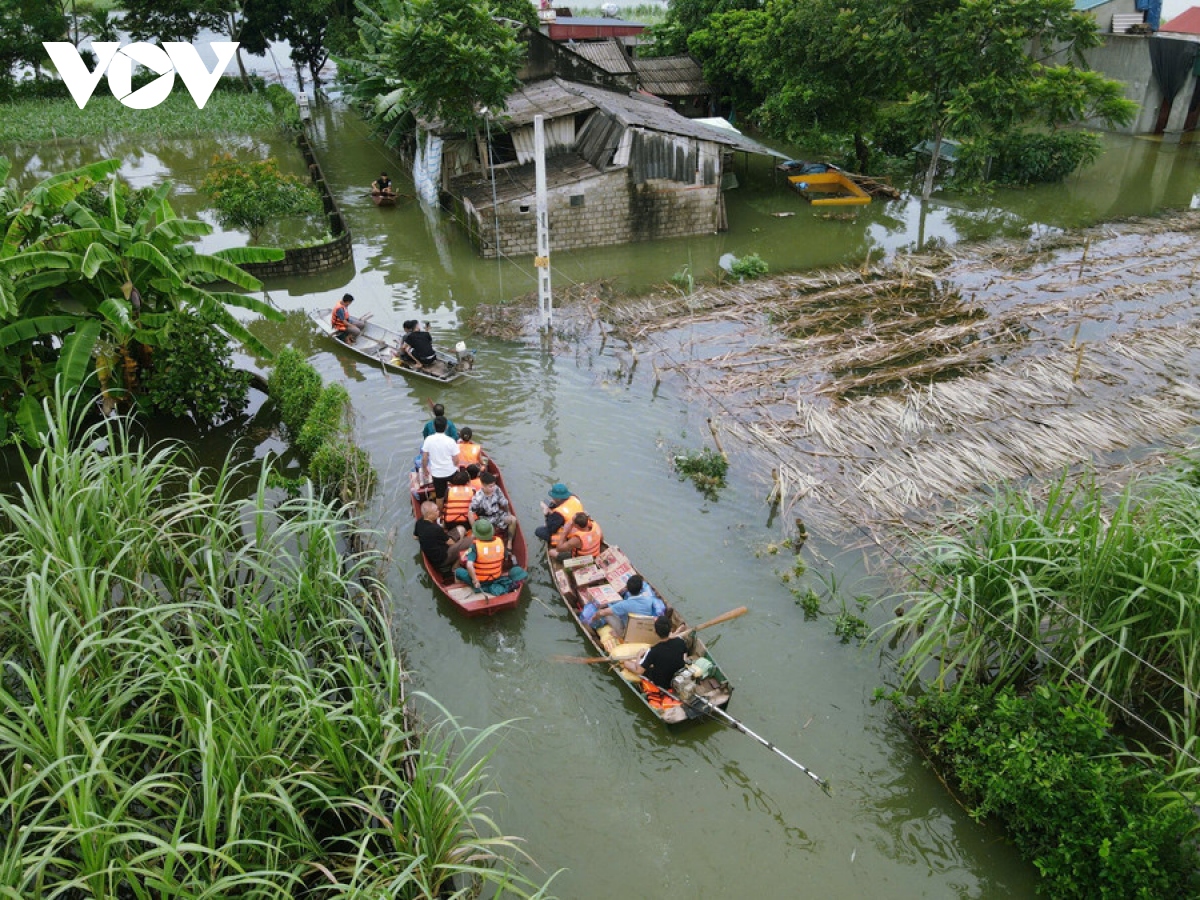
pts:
pixel 439 459
pixel 345 326
pixel 417 345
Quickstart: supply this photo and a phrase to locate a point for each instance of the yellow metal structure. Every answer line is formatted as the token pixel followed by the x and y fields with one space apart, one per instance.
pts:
pixel 832 188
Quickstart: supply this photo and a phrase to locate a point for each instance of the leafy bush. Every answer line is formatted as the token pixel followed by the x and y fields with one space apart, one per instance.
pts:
pixel 192 373
pixel 706 468
pixel 1023 157
pixel 748 267
pixel 343 465
pixel 284 103
pixel 295 386
pixel 250 194
pixel 325 420
pixel 1044 765
pixel 896 131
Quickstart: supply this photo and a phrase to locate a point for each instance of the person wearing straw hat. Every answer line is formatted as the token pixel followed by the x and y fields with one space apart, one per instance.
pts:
pixel 561 509
pixel 484 562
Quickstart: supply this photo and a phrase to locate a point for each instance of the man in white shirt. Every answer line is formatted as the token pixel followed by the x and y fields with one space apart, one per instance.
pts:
pixel 439 459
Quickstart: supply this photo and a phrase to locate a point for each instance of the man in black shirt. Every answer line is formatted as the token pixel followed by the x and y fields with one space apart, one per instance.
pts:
pixel 439 547
pixel 417 345
pixel 665 658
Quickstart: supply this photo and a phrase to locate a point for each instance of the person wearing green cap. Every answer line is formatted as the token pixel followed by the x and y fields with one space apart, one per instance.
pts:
pixel 485 562
pixel 562 508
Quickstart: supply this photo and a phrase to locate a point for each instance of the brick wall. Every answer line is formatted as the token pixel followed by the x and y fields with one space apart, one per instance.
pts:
pixel 320 257
pixel 613 211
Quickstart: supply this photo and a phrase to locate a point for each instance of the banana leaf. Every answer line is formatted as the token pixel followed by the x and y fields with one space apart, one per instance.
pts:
pixel 31 419
pixel 37 326
pixel 76 354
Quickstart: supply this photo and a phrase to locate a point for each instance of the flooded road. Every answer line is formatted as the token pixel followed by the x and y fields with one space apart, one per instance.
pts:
pixel 592 783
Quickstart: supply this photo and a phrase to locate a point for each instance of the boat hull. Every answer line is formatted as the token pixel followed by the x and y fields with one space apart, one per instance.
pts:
pixel 465 599
pixel 714 690
pixel 379 345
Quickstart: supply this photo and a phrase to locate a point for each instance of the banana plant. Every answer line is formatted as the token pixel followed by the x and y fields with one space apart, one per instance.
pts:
pixel 77 282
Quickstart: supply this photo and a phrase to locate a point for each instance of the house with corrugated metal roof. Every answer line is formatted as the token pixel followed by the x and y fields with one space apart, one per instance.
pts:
pixel 676 79
pixel 621 167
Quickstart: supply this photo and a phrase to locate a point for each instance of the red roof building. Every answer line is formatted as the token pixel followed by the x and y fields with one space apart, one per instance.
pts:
pixel 1187 22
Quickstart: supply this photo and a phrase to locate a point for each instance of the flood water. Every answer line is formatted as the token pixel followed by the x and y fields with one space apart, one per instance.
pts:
pixel 584 775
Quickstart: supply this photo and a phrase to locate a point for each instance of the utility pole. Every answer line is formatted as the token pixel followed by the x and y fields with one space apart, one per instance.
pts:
pixel 542 261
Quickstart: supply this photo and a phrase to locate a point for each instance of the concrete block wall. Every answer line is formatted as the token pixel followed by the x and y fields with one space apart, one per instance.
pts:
pixel 320 257
pixel 614 211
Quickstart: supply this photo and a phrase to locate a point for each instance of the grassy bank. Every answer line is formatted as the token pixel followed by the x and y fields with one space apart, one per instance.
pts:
pixel 200 697
pixel 226 112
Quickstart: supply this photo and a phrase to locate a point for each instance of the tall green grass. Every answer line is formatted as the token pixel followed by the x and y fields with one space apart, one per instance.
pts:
pixel 1071 588
pixel 200 697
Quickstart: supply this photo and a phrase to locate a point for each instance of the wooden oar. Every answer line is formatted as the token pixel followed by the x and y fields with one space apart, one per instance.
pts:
pixel 587 660
pixel 713 709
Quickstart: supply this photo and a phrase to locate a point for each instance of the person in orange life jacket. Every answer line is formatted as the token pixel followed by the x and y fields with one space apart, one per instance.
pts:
pixel 471 452
pixel 664 659
pixel 491 504
pixel 558 512
pixel 451 428
pixel 581 537
pixel 459 495
pixel 417 345
pixel 473 477
pixel 485 559
pixel 638 597
pixel 345 326
pixel 440 548
pixel 439 459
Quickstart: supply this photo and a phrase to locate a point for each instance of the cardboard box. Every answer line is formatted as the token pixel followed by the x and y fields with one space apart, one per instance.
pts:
pixel 562 581
pixel 619 574
pixel 577 562
pixel 640 630
pixel 612 556
pixel 603 593
pixel 588 575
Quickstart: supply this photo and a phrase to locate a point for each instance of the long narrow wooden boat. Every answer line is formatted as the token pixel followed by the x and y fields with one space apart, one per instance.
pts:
pixel 380 199
pixel 381 346
pixel 469 601
pixel 579 581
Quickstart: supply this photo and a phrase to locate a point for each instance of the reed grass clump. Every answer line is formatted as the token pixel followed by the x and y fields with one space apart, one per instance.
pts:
pixel 200 697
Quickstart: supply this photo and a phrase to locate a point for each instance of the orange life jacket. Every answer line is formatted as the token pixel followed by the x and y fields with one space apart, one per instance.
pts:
pixel 657 697
pixel 567 509
pixel 470 453
pixel 489 559
pixel 476 485
pixel 339 322
pixel 589 539
pixel 458 501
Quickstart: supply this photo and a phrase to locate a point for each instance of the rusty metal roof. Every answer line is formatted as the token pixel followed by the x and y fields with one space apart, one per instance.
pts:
pixel 517 182
pixel 671 76
pixel 549 98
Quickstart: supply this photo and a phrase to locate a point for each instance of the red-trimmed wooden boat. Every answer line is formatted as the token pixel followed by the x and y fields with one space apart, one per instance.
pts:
pixel 469 601
pixel 579 581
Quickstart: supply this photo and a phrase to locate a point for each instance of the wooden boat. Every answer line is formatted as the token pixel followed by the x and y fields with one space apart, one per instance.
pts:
pixel 381 346
pixel 469 601
pixel 380 199
pixel 582 580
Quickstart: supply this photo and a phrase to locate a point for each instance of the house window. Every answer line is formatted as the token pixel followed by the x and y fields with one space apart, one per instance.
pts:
pixel 524 207
pixel 577 199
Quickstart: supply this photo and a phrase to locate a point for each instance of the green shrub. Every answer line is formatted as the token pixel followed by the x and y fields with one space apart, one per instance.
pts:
pixel 1023 157
pixel 326 420
pixel 748 267
pixel 192 373
pixel 250 194
pixel 283 101
pixel 295 386
pixel 342 467
pixel 1044 765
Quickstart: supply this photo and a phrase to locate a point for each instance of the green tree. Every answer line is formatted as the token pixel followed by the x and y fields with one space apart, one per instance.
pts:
pixel 966 66
pixel 444 59
pixel 685 17
pixel 251 194
pixel 24 24
pixel 83 290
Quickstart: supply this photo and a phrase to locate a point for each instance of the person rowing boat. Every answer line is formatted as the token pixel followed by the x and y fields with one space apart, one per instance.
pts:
pixel 382 187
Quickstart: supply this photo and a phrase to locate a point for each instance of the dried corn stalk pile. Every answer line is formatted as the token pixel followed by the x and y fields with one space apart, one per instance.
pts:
pixel 884 393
